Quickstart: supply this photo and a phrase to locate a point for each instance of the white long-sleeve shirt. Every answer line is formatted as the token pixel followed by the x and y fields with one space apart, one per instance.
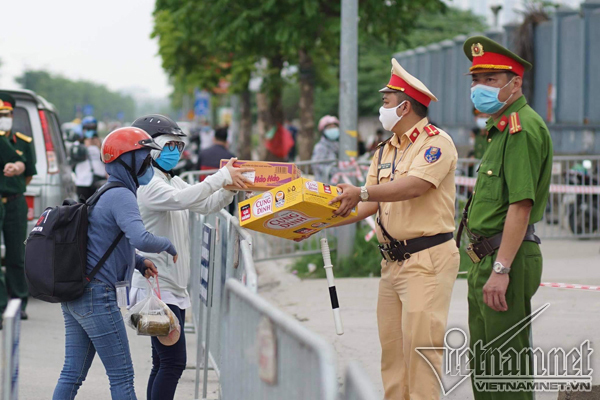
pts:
pixel 164 205
pixel 85 170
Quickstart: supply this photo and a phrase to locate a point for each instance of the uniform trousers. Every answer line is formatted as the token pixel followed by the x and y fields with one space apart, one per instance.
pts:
pixel 14 228
pixel 485 324
pixel 412 311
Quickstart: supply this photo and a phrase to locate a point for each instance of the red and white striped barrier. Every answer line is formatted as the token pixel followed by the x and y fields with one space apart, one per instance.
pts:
pixel 344 165
pixel 577 189
pixel 570 286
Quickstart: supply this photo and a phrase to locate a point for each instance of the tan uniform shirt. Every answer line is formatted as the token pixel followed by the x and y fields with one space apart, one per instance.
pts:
pixel 426 152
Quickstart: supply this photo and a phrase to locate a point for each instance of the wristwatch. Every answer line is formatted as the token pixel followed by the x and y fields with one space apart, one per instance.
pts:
pixel 364 194
pixel 500 269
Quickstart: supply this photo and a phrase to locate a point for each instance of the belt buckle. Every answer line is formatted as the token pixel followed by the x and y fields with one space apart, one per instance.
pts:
pixel 4 200
pixel 471 253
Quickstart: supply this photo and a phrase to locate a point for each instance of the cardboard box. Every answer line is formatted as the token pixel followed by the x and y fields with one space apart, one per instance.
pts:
pixel 267 175
pixel 292 210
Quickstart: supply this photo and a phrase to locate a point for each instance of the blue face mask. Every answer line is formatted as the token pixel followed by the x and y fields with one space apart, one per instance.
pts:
pixel 168 159
pixel 90 133
pixel 485 98
pixel 332 133
pixel 147 177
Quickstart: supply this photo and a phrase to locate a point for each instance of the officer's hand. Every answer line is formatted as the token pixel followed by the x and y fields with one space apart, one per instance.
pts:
pixel 14 169
pixel 236 174
pixel 150 269
pixel 494 291
pixel 175 257
pixel 303 237
pixel 349 198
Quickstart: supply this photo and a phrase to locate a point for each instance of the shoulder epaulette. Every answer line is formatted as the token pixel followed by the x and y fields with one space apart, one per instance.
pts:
pixel 514 123
pixel 2 133
pixel 384 142
pixel 431 130
pixel 23 137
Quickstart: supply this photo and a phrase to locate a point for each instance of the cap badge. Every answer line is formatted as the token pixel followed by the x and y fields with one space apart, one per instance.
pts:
pixel 476 49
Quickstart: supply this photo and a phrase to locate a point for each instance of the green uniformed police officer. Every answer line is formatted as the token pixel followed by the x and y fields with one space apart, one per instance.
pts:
pixel 12 189
pixel 480 134
pixel 509 197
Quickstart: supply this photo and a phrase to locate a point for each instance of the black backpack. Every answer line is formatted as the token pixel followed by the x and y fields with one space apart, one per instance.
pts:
pixel 78 153
pixel 56 250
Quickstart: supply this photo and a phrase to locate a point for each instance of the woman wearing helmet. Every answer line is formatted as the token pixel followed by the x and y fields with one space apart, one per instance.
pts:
pixel 164 205
pixel 327 147
pixel 93 323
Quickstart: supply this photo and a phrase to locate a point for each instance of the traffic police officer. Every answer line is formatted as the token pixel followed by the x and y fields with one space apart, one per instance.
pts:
pixel 509 197
pixel 411 186
pixel 15 221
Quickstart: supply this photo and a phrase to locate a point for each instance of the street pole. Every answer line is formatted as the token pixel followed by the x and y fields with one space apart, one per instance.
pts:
pixel 348 106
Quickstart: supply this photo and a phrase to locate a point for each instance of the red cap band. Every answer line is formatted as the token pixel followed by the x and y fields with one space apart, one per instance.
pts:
pixel 497 61
pixel 400 84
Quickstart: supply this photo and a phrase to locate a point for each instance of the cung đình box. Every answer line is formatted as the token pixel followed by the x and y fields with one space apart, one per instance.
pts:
pixel 292 210
pixel 266 175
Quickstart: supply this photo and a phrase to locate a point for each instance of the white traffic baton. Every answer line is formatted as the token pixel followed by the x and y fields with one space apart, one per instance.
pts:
pixel 335 305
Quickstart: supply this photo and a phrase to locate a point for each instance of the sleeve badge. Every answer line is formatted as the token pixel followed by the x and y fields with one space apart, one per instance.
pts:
pixel 433 154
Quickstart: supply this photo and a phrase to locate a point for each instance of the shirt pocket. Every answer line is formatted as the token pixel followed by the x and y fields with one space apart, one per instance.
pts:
pixel 385 175
pixel 489 181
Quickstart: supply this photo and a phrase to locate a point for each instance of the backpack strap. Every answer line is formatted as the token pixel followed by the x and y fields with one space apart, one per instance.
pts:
pixel 96 196
pixel 90 202
pixel 105 257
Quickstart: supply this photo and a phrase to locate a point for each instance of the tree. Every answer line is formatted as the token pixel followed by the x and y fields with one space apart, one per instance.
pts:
pixel 68 95
pixel 280 32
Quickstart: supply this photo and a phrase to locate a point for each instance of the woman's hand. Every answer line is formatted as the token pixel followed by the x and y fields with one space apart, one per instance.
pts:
pixel 239 180
pixel 150 269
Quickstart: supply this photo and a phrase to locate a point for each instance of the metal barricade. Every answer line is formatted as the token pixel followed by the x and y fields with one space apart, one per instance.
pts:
pixel 271 356
pixel 10 350
pixel 233 259
pixel 357 386
pixel 573 207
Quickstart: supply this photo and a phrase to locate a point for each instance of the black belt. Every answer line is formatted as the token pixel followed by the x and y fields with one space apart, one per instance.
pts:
pixel 486 246
pixel 398 250
pixel 11 197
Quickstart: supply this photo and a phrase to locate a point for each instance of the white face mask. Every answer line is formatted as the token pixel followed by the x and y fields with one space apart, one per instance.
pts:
pixel 6 123
pixel 388 117
pixel 481 122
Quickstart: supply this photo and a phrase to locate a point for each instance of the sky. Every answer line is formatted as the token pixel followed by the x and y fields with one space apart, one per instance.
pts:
pixel 106 42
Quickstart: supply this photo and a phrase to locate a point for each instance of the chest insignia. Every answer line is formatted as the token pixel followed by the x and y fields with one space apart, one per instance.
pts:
pixel 19 152
pixel 433 154
pixel 384 166
pixel 514 123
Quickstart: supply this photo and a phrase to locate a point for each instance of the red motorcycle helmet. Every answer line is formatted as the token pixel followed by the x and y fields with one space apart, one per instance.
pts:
pixel 124 140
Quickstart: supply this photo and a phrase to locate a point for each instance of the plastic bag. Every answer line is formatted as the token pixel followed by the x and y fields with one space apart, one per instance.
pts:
pixel 152 317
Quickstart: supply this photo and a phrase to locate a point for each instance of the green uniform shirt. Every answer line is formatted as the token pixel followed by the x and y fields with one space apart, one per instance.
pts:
pixel 16 184
pixel 515 166
pixel 480 145
pixel 7 153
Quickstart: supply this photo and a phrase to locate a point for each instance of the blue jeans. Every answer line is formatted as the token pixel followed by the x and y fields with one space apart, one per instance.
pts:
pixel 168 363
pixel 93 323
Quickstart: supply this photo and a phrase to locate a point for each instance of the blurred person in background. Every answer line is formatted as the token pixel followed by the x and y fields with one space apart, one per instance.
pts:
pixel 94 323
pixel 14 227
pixel 165 205
pixel 210 157
pixel 89 170
pixel 479 133
pixel 327 148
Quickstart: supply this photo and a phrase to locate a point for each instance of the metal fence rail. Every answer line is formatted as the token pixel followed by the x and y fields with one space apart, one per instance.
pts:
pixel 357 386
pixel 270 355
pixel 10 350
pixel 573 207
